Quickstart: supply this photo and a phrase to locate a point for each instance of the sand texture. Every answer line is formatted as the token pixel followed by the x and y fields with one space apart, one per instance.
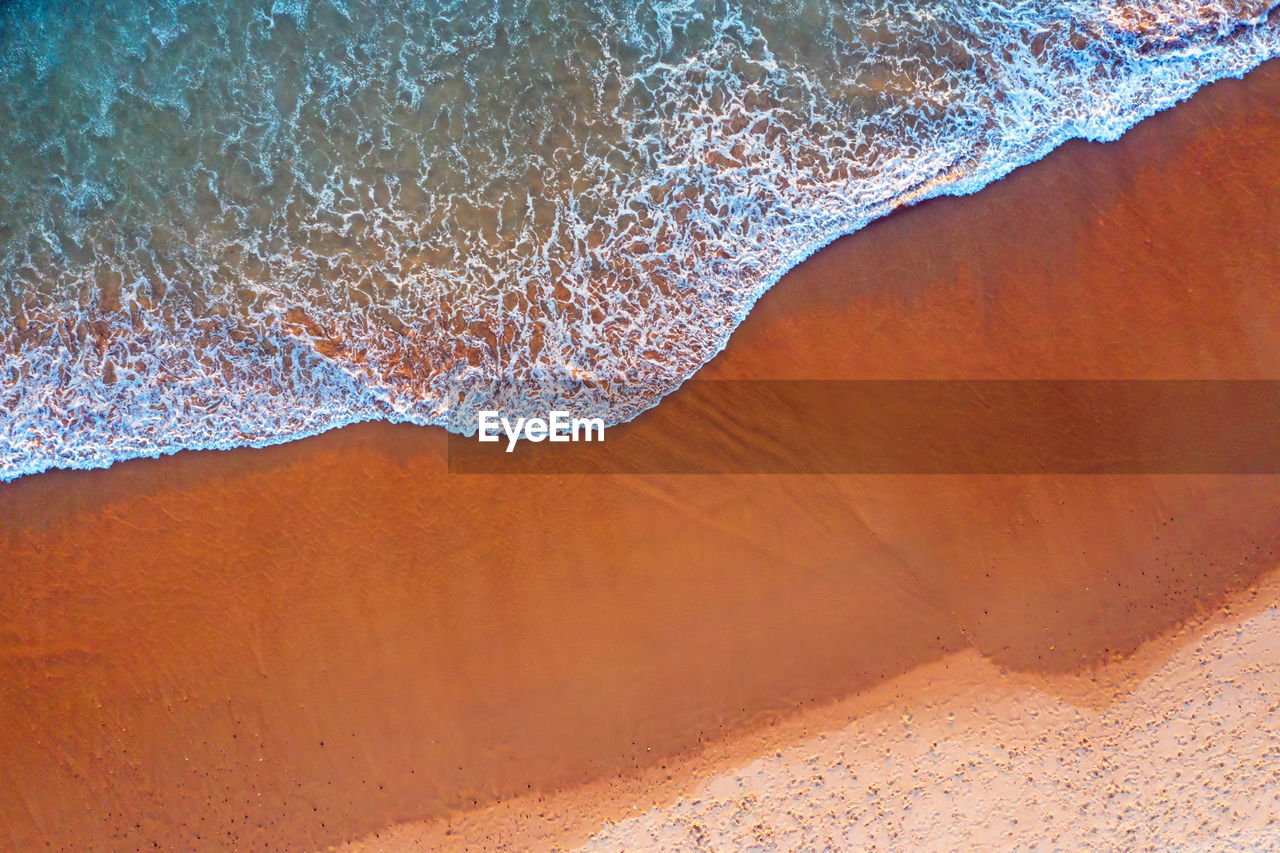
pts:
pixel 1174 747
pixel 959 755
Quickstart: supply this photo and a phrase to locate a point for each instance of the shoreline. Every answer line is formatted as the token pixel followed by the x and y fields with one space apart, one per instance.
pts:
pixel 298 645
pixel 956 182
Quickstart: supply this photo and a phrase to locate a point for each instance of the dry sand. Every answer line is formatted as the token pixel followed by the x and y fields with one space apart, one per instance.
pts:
pixel 962 755
pixel 297 646
pixel 1175 747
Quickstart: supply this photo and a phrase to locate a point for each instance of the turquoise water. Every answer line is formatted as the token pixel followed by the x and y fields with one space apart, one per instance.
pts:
pixel 227 224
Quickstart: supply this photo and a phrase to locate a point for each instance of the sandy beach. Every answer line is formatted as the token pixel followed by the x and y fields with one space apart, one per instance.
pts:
pixel 296 647
pixel 1175 748
pixel 1172 746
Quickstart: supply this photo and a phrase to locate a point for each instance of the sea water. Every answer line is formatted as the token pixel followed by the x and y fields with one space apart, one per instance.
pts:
pixel 236 223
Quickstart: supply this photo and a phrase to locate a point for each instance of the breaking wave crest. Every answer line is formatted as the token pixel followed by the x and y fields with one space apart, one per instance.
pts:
pixel 223 225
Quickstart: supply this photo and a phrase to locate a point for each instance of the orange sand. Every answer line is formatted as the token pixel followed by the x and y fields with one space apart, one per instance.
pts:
pixel 1173 747
pixel 296 646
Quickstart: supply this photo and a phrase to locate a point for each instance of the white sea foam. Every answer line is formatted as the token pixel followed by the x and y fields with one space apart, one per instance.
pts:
pixel 223 227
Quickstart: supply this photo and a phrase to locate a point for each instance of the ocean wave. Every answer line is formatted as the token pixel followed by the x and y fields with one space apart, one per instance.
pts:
pixel 225 225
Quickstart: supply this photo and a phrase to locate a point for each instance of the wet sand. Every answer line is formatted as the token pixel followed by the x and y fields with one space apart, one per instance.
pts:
pixel 960 755
pixel 297 646
pixel 1171 747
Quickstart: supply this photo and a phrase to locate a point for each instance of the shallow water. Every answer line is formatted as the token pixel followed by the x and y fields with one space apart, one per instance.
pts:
pixel 225 224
